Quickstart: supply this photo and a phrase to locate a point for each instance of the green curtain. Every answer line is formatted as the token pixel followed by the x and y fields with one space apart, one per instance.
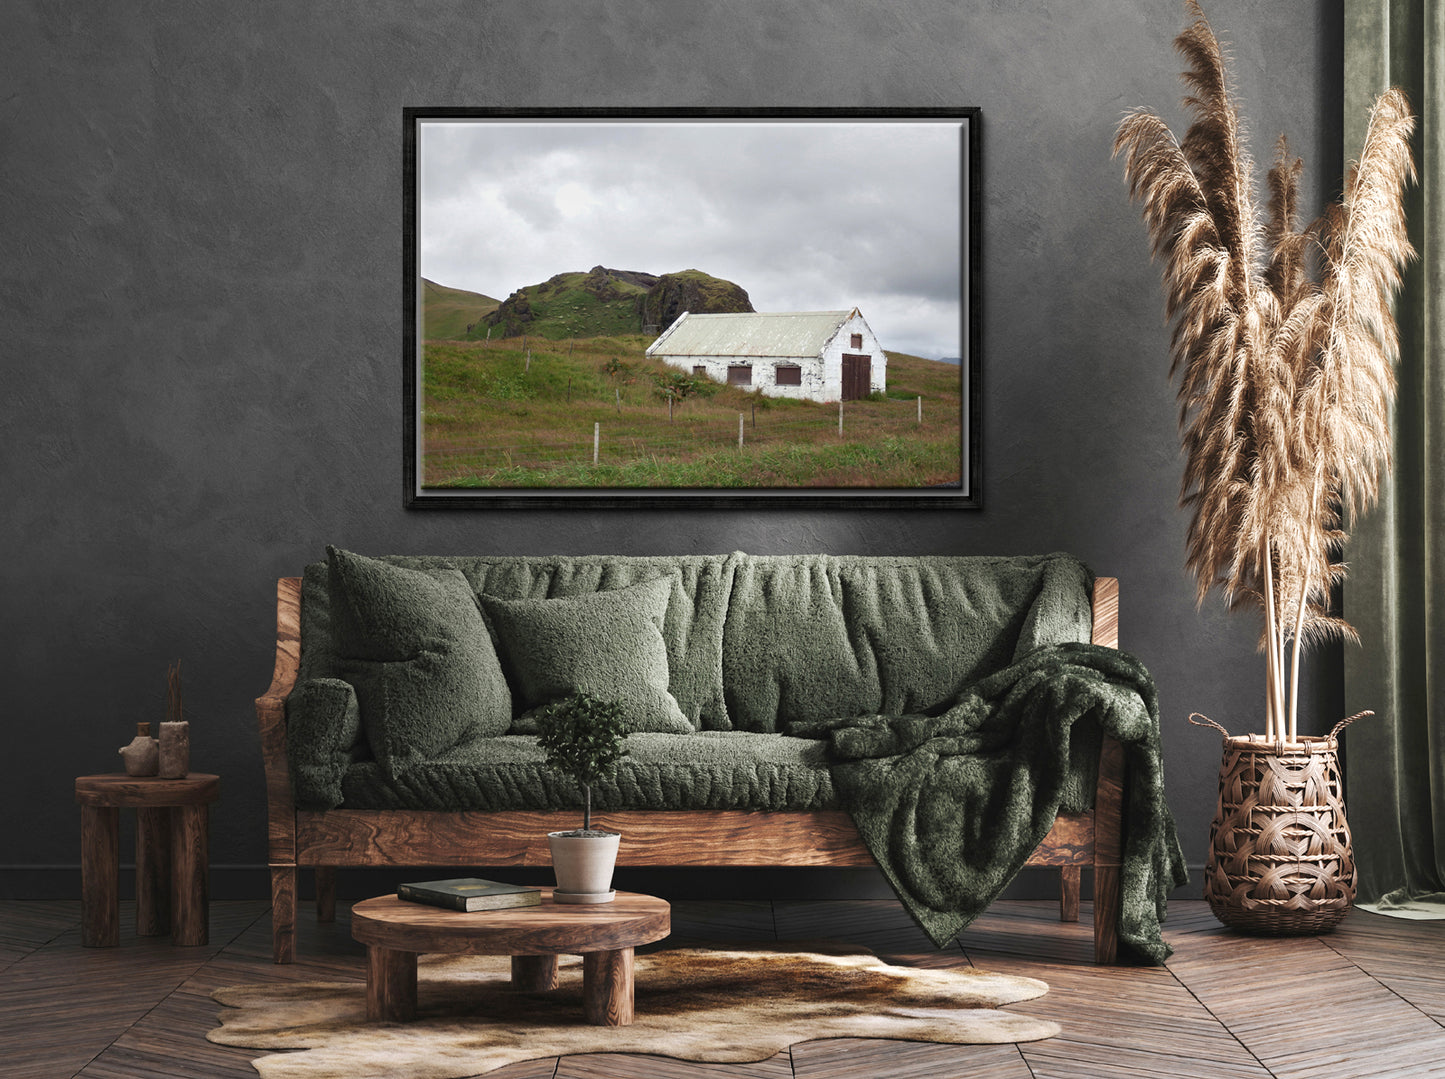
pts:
pixel 1395 594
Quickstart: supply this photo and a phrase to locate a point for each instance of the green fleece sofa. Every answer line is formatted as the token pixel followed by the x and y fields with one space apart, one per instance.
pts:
pixel 396 730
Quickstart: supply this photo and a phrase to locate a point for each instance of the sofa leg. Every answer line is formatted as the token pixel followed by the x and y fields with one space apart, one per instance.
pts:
pixel 1106 915
pixel 283 913
pixel 1069 893
pixel 325 894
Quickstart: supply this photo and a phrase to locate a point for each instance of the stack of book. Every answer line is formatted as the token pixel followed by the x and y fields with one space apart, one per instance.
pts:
pixel 470 893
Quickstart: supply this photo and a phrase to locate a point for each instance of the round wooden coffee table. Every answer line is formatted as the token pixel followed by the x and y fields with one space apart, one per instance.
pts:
pixel 395 931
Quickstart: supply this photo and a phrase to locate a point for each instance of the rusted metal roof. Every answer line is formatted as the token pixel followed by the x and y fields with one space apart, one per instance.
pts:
pixel 795 334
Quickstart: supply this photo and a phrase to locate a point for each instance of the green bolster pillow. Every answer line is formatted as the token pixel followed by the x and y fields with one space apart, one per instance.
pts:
pixel 323 724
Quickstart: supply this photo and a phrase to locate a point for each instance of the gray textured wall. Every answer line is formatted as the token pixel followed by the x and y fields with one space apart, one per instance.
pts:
pixel 201 312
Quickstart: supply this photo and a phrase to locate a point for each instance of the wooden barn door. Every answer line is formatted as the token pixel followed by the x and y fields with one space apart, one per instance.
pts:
pixel 857 376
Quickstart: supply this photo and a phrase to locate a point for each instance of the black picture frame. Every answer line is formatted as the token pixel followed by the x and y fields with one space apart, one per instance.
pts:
pixel 965 494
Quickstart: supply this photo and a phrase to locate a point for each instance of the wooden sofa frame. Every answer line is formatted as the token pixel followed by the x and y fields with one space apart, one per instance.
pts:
pixel 328 839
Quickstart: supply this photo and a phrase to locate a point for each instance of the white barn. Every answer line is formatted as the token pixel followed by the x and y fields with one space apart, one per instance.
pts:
pixel 812 355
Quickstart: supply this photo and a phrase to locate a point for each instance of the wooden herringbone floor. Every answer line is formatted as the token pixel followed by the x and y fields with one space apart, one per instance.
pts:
pixel 1366 1002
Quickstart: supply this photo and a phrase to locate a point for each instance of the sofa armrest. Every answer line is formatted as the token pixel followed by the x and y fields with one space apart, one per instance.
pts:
pixel 1105 601
pixel 271 717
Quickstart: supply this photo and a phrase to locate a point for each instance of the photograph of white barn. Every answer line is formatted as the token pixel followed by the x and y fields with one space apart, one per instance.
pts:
pixel 811 355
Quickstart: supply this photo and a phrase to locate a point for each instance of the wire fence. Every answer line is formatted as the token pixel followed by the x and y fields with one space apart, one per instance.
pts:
pixel 687 436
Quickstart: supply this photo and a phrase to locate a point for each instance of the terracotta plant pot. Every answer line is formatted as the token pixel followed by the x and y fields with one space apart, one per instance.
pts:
pixel 583 865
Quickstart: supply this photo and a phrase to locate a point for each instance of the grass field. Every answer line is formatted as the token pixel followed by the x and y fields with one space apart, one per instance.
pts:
pixel 493 419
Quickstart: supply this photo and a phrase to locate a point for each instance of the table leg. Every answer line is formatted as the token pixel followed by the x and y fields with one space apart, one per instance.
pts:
pixel 190 875
pixel 607 987
pixel 99 876
pixel 390 985
pixel 534 973
pixel 152 871
pixel 1069 894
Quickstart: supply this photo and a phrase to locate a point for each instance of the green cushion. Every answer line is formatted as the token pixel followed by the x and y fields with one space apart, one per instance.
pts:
pixel 415 647
pixel 818 637
pixel 707 770
pixel 608 644
pixel 323 723
pixel 696 614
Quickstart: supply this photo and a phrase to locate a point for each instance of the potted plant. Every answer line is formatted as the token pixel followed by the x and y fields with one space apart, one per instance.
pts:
pixel 1285 342
pixel 583 738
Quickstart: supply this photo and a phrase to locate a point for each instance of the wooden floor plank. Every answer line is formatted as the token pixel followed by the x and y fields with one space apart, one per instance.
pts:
pixel 1363 1002
pixel 543 1068
pixel 869 1058
pixel 62 1006
pixel 26 926
pixel 1409 966
pixel 1304 1009
pixel 726 921
pixel 882 927
pixel 617 1066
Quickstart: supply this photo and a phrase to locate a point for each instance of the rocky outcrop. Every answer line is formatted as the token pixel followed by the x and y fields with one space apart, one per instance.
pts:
pixel 512 315
pixel 627 294
pixel 605 284
pixel 689 290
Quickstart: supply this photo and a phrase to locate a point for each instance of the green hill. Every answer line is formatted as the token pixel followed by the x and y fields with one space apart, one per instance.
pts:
pixel 447 313
pixel 606 303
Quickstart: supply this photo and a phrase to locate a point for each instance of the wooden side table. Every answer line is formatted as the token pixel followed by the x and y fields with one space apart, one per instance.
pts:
pixel 172 861
pixel 395 931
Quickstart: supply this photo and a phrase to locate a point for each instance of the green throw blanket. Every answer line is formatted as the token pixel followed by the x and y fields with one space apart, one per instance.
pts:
pixel 951 806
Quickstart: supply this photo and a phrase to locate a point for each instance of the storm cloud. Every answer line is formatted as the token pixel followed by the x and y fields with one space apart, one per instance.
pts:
pixel 806 216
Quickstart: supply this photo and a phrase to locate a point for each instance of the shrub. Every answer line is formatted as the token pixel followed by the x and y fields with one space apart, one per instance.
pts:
pixel 583 738
pixel 679 386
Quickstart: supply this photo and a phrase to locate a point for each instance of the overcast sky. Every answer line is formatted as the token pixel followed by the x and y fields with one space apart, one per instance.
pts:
pixel 814 216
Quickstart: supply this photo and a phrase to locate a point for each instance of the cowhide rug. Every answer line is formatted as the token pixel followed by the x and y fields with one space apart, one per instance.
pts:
pixel 692 1004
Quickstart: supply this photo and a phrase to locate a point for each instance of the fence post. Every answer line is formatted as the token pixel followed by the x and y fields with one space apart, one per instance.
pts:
pixel 740 430
pixel 840 417
pixel 920 408
pixel 596 440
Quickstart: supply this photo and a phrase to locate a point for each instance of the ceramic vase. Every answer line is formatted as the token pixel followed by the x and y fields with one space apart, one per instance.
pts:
pixel 583 865
pixel 142 755
pixel 175 747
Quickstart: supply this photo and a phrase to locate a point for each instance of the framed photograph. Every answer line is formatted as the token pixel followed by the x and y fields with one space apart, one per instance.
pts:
pixel 692 307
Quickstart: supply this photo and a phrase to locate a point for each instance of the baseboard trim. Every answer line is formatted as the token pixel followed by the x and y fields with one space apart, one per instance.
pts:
pixel 254 882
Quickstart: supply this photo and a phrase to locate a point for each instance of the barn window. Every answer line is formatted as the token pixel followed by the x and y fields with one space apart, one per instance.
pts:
pixel 740 374
pixel 699 371
pixel 857 341
pixel 788 374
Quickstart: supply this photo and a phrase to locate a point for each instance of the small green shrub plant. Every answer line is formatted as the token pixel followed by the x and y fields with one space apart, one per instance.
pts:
pixel 680 386
pixel 583 738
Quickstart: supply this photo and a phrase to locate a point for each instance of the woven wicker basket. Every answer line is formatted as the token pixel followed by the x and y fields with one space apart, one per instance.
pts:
pixel 1280 860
